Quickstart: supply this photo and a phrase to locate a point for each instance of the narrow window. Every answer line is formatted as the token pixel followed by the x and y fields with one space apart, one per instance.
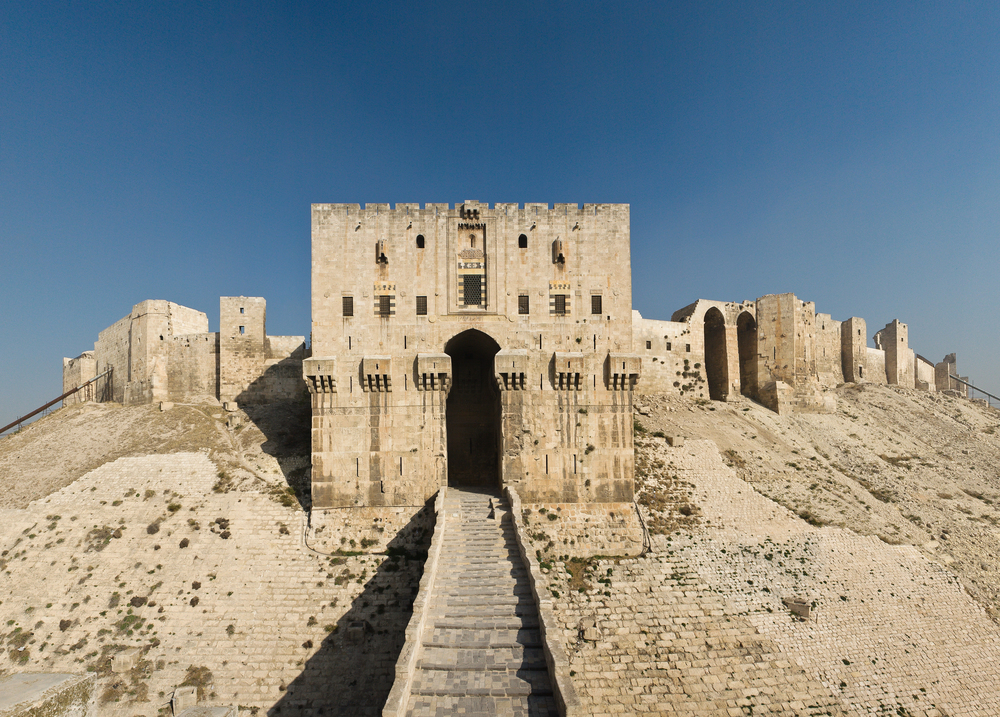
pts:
pixel 522 303
pixel 472 290
pixel 420 241
pixel 522 242
pixel 687 347
pixel 596 305
pixel 560 304
pixel 241 310
pixel 384 305
pixel 243 330
pixel 649 344
pixel 421 306
pixel 348 305
pixel 668 346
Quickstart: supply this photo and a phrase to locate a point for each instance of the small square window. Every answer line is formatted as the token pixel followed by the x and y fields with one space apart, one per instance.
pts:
pixel 559 306
pixel 348 305
pixel 421 306
pixel 522 304
pixel 596 304
pixel 243 330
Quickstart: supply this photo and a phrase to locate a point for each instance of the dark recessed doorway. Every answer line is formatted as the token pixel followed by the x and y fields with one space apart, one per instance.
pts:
pixel 473 412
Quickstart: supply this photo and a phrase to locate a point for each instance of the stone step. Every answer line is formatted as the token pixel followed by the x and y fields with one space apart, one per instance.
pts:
pixel 500 658
pixel 492 601
pixel 485 622
pixel 434 705
pixel 476 590
pixel 479 639
pixel 495 683
pixel 452 611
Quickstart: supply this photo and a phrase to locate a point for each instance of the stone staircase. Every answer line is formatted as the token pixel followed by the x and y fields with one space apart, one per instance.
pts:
pixel 481 652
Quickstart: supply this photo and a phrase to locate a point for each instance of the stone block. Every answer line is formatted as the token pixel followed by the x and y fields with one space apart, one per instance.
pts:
pixel 798 606
pixel 166 405
pixel 675 441
pixel 183 698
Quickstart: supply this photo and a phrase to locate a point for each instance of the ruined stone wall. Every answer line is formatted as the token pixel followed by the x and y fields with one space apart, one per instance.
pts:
pixel 672 355
pixel 875 366
pixel 113 349
pixel 390 286
pixel 255 367
pixel 193 367
pixel 924 374
pixel 714 369
pixel 163 351
pixel 853 348
pixel 136 347
pixel 242 343
pixel 943 372
pixel 828 351
pixel 898 357
pixel 75 372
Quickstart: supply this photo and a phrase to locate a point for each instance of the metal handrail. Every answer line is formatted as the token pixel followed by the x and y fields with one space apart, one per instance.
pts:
pixel 22 419
pixel 995 398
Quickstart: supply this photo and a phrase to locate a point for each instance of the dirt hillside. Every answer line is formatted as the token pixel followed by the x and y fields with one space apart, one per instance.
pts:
pixel 907 466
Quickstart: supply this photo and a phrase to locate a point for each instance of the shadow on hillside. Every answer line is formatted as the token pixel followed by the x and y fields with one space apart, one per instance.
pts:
pixel 353 670
pixel 287 436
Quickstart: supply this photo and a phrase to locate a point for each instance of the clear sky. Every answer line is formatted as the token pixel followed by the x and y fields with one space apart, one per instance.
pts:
pixel 847 152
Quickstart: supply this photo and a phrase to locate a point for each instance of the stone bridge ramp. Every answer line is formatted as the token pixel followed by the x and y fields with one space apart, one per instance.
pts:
pixel 480 651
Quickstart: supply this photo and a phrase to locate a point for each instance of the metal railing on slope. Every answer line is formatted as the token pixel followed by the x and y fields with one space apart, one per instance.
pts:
pixel 22 419
pixel 975 388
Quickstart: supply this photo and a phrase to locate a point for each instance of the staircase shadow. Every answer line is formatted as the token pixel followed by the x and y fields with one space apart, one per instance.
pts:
pixel 354 668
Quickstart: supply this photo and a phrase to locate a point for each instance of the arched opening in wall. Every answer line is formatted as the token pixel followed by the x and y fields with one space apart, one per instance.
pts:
pixel 716 361
pixel 473 412
pixel 746 342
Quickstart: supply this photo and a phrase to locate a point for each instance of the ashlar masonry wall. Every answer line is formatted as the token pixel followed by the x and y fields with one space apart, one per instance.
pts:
pixel 534 301
pixel 163 351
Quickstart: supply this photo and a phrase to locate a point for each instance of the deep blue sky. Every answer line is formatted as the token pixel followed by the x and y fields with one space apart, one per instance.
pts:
pixel 844 152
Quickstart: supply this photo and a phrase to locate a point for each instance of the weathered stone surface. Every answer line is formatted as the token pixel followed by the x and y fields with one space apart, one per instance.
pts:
pixel 51 694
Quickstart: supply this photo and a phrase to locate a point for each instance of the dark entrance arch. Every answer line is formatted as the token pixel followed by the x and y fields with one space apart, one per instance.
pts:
pixel 716 360
pixel 473 412
pixel 746 341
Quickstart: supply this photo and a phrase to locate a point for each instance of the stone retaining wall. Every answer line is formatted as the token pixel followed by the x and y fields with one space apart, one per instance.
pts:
pixel 406 665
pixel 555 654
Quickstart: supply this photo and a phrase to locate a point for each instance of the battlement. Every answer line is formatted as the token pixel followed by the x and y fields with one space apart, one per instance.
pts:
pixel 432 209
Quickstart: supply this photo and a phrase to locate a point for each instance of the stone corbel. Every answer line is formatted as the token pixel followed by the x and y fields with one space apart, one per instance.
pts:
pixel 376 374
pixel 510 368
pixel 621 371
pixel 567 369
pixel 320 374
pixel 433 372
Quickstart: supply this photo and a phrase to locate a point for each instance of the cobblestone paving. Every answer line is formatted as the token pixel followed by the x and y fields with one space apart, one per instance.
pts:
pixel 481 651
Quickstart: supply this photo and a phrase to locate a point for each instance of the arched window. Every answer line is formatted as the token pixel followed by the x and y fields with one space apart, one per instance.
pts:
pixel 522 242
pixel 420 241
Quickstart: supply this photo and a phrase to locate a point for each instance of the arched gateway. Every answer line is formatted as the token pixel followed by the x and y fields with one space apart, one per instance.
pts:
pixel 473 412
